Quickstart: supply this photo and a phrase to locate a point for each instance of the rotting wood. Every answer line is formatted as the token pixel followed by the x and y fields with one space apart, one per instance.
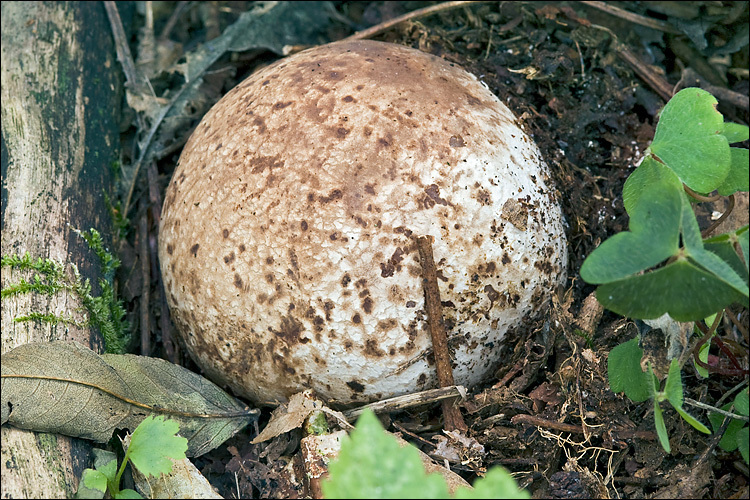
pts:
pixel 451 413
pixel 60 102
pixel 407 401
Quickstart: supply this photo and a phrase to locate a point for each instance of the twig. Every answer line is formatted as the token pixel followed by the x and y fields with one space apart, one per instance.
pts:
pixel 633 17
pixel 172 21
pixel 409 16
pixel 408 433
pixel 451 414
pixel 523 418
pixel 690 77
pixel 692 58
pixel 704 406
pixel 121 43
pixel 406 401
pixel 713 442
pixel 143 255
pixel 728 394
pixel 660 85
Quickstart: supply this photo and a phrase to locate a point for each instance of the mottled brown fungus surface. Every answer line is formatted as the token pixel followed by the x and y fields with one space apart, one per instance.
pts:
pixel 287 237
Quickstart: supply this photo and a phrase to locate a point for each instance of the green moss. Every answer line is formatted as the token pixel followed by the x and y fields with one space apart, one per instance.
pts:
pixel 105 311
pixel 48 444
pixel 47 318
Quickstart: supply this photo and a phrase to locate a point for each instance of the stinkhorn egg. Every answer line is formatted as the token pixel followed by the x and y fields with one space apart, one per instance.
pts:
pixel 287 237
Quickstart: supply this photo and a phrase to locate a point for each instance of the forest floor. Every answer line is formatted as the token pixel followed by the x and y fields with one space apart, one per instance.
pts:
pixel 588 86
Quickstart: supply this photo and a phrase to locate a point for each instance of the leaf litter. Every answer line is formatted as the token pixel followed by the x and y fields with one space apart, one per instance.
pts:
pixel 86 395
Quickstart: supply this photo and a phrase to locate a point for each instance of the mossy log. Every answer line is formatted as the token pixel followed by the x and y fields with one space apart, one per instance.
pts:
pixel 61 89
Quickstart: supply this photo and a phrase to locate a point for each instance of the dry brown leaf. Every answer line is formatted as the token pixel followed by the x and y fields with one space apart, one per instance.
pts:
pixel 66 388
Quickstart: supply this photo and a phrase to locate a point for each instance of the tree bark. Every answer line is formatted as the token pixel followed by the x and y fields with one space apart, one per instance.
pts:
pixel 60 95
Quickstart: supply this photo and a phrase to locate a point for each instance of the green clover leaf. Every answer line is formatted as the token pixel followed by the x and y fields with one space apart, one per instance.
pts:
pixel 689 139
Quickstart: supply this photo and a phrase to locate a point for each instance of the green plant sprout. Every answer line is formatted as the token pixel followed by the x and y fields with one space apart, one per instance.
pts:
pixel 699 277
pixel 372 464
pixel 662 264
pixel 737 434
pixel 152 444
pixel 625 375
pixel 105 311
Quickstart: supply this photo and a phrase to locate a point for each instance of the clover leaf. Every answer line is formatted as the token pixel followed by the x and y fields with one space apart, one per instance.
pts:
pixel 653 198
pixel 689 139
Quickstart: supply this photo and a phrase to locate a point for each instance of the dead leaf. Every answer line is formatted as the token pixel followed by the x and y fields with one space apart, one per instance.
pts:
pixel 290 416
pixel 66 388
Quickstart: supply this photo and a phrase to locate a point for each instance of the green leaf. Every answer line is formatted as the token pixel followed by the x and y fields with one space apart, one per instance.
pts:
pixel 105 465
pixel 741 403
pixel 692 421
pixel 625 374
pixel 128 494
pixel 497 483
pixel 93 484
pixel 689 139
pixel 723 245
pixel 735 132
pixel 691 237
pixel 673 385
pixel 738 177
pixel 720 270
pixel 681 289
pixel 661 429
pixel 742 238
pixel 653 197
pixel 106 462
pixel 371 464
pixel 152 442
pixel 729 439
pixel 743 436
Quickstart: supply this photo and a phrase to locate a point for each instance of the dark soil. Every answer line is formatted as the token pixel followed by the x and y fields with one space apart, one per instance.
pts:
pixel 548 415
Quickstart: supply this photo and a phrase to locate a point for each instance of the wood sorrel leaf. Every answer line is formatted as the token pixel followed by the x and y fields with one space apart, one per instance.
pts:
pixel 93 484
pixel 738 178
pixel 694 249
pixel 689 140
pixel 497 483
pixel 735 132
pixel 681 289
pixel 744 241
pixel 653 197
pixel 723 245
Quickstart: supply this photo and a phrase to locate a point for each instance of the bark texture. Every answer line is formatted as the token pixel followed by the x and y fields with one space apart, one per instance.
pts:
pixel 60 100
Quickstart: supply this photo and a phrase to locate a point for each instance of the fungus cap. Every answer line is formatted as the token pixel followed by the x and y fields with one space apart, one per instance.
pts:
pixel 287 238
